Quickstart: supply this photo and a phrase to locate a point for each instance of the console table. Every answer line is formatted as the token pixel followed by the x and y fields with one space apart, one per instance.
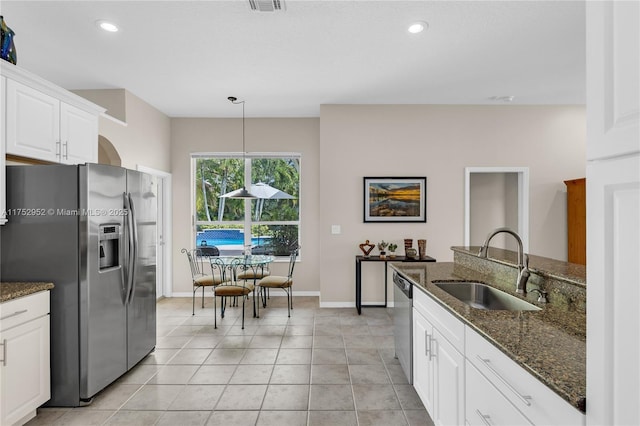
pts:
pixel 360 259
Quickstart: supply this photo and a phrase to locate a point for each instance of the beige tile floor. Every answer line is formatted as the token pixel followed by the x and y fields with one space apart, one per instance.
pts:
pixel 319 367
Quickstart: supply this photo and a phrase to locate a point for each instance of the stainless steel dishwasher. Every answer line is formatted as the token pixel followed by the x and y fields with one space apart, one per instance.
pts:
pixel 403 323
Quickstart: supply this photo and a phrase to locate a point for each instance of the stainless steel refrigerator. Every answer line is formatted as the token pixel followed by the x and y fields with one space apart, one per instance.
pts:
pixel 91 230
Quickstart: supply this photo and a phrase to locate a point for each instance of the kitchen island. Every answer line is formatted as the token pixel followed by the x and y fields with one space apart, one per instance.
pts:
pixel 550 344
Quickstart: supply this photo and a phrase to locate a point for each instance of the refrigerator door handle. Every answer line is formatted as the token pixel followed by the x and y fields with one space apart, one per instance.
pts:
pixel 130 258
pixel 134 257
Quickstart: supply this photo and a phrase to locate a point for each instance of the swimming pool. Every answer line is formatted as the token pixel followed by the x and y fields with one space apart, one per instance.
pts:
pixel 229 241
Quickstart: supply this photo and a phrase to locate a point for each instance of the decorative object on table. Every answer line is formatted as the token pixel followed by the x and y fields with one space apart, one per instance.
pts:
pixel 422 248
pixel 382 246
pixel 411 253
pixel 366 248
pixel 395 199
pixel 7 46
pixel 408 243
pixel 392 250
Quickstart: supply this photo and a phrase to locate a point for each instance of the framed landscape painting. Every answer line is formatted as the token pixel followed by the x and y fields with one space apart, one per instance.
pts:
pixel 395 199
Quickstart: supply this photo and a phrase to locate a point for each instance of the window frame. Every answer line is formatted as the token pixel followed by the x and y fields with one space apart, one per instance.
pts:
pixel 248 222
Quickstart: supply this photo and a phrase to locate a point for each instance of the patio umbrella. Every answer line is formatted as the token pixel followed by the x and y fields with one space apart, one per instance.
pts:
pixel 266 192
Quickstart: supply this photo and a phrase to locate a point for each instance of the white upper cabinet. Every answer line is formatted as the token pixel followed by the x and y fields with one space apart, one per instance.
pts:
pixel 77 128
pixel 33 123
pixel 48 123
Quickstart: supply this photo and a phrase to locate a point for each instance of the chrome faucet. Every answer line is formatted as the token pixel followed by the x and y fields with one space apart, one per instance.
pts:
pixel 523 259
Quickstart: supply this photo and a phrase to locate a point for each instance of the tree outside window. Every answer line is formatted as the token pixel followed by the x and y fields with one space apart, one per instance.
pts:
pixel 270 226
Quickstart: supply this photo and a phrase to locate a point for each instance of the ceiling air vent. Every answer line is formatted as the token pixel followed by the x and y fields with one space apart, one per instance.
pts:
pixel 266 5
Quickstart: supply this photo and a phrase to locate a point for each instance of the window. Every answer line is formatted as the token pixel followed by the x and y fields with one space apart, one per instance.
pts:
pixel 269 224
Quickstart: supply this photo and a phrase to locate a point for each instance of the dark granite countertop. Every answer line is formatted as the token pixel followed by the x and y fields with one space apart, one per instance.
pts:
pixel 550 344
pixel 13 290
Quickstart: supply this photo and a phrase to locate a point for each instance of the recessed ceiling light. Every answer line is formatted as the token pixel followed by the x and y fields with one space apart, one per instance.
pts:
pixel 107 26
pixel 508 98
pixel 417 27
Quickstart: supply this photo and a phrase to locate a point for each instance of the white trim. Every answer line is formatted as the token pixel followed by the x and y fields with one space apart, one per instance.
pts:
pixel 523 200
pixel 353 304
pixel 246 154
pixel 168 224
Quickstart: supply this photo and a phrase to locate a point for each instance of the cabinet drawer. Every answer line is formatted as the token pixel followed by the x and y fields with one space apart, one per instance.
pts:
pixel 529 395
pixel 448 325
pixel 23 309
pixel 486 405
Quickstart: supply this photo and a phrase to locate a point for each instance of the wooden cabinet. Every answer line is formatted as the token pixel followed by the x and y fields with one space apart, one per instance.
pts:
pixel 576 221
pixel 25 377
pixel 438 364
pixel 46 122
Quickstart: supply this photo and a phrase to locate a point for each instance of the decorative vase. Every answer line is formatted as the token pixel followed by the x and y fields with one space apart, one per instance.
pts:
pixel 408 243
pixel 7 46
pixel 383 255
pixel 422 248
pixel 392 255
pixel 411 253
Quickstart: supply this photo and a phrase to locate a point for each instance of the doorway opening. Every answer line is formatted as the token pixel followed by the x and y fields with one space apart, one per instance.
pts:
pixel 496 197
pixel 107 153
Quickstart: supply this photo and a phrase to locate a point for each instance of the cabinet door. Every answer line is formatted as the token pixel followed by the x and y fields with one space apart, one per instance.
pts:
pixel 24 372
pixel 448 383
pixel 33 123
pixel 422 364
pixel 485 405
pixel 79 136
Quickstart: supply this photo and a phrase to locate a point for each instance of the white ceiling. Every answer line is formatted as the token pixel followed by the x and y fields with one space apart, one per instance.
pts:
pixel 186 57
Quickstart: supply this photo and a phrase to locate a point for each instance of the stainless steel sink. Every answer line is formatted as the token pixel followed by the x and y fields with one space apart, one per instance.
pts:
pixel 482 296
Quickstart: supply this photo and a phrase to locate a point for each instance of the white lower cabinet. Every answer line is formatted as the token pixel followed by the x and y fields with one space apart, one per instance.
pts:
pixel 438 367
pixel 539 404
pixel 462 378
pixel 25 378
pixel 485 405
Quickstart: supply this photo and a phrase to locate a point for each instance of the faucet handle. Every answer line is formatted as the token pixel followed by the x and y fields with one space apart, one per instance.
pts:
pixel 542 295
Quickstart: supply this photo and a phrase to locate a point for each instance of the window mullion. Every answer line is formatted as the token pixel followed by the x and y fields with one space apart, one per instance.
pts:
pixel 247 202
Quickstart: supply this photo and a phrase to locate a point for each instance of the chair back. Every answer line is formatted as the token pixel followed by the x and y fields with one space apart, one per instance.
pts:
pixel 228 270
pixel 208 251
pixel 195 263
pixel 292 261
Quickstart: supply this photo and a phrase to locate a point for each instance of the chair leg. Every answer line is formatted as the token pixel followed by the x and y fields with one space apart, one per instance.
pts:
pixel 215 316
pixel 203 297
pixel 194 301
pixel 243 313
pixel 223 306
pixel 288 303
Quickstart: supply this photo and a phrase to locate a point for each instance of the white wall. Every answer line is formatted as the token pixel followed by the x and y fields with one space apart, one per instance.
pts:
pixel 438 142
pixel 144 140
pixel 189 135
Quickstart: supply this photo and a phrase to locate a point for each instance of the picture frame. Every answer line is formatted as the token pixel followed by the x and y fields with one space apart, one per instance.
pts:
pixel 395 199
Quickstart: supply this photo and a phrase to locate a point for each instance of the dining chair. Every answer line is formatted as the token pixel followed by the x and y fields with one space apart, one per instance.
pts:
pixel 231 287
pixel 199 277
pixel 279 281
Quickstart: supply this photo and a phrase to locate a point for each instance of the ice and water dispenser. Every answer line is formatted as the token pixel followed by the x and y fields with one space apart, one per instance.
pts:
pixel 109 239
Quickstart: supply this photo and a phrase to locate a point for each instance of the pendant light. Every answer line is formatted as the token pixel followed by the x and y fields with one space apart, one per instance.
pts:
pixel 240 193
